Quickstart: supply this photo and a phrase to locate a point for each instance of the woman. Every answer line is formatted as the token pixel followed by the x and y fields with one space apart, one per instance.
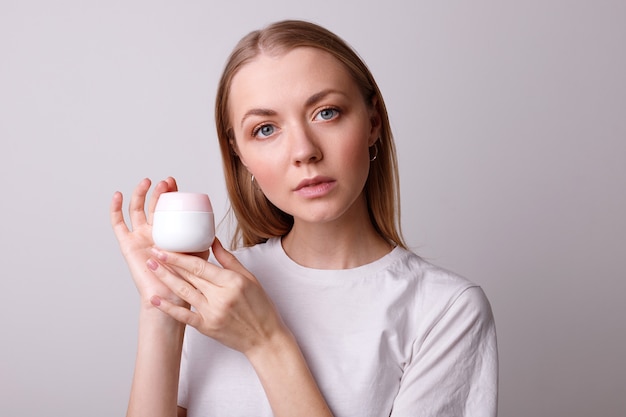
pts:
pixel 322 310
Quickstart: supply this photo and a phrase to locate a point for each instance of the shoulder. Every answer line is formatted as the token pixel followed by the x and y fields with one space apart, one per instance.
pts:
pixel 429 278
pixel 437 291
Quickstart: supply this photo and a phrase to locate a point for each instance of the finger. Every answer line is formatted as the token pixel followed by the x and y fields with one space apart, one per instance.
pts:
pixel 202 255
pixel 193 269
pixel 180 287
pixel 165 186
pixel 117 216
pixel 229 261
pixel 178 313
pixel 171 182
pixel 200 273
pixel 137 203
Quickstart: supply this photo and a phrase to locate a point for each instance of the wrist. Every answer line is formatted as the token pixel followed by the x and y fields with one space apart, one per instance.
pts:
pixel 279 351
pixel 286 378
pixel 277 340
pixel 151 316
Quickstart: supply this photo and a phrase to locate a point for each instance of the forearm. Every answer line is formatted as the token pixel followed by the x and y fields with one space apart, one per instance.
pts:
pixel 287 380
pixel 155 381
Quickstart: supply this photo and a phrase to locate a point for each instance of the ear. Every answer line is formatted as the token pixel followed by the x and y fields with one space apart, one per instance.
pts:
pixel 375 121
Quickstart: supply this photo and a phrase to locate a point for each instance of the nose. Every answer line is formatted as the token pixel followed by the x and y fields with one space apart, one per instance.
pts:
pixel 304 146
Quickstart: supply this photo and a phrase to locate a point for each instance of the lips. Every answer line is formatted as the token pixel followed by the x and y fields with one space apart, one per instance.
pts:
pixel 312 182
pixel 315 187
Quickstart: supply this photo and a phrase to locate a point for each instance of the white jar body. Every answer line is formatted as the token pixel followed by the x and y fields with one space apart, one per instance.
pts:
pixel 183 231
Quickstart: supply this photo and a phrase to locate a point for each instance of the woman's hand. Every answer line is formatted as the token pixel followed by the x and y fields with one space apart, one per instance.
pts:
pixel 229 303
pixel 230 306
pixel 135 242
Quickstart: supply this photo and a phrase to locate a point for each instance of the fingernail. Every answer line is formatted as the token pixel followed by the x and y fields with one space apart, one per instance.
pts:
pixel 155 300
pixel 158 254
pixel 152 264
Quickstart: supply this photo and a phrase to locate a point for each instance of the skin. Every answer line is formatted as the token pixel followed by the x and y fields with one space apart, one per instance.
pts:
pixel 297 117
pixel 160 336
pixel 313 122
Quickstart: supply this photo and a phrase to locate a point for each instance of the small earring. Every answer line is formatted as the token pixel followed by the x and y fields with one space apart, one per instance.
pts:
pixel 375 145
pixel 255 186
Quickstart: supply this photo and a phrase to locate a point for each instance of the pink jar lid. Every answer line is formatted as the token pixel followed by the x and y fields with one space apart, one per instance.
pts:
pixel 180 201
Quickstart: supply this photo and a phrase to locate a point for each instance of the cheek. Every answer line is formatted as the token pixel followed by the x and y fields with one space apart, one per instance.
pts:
pixel 266 169
pixel 268 175
pixel 355 152
pixel 252 159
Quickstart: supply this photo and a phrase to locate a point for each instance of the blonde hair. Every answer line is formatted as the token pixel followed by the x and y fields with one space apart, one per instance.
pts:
pixel 257 218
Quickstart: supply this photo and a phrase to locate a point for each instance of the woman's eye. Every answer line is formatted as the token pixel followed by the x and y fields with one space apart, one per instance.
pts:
pixel 327 114
pixel 263 131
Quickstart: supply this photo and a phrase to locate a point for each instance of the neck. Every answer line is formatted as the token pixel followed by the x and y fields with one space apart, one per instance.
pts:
pixel 348 242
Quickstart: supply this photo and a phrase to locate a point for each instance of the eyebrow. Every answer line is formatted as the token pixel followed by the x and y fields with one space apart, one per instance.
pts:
pixel 309 102
pixel 319 96
pixel 257 112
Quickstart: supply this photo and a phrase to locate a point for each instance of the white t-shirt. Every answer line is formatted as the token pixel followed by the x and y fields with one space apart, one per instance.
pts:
pixel 397 337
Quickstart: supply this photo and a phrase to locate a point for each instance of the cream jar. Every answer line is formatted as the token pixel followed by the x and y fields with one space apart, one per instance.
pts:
pixel 183 222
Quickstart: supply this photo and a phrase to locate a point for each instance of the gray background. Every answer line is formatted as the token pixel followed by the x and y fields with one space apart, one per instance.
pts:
pixel 510 120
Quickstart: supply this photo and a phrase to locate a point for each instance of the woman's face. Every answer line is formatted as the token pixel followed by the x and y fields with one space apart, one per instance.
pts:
pixel 303 130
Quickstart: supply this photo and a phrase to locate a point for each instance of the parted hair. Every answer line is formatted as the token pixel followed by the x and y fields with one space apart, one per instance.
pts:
pixel 257 219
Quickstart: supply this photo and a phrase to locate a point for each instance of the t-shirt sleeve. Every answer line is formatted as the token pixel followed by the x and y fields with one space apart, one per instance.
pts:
pixel 453 371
